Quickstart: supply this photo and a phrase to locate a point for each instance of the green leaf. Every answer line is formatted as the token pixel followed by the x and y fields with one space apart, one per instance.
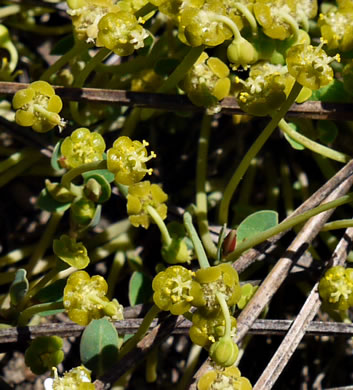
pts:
pixel 63 46
pixel 328 131
pixel 108 176
pixel 52 293
pixel 46 202
pixel 99 346
pixel 140 288
pixel 333 92
pixel 55 157
pixel 256 223
pixel 19 287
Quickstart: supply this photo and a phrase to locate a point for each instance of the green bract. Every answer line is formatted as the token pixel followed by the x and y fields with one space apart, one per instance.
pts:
pixel 85 300
pixel 309 65
pixel 71 252
pixel 127 160
pixel 44 353
pixel 140 196
pixel 207 82
pixel 223 279
pixel 121 33
pixel 229 378
pixel 81 147
pixel 38 106
pixel 336 288
pixel 175 290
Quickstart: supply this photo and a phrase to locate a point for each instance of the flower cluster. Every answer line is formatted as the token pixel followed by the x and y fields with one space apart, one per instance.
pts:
pixel 127 160
pixel 79 378
pixel 85 300
pixel 107 24
pixel 207 82
pixel 38 106
pixel 336 288
pixel 81 147
pixel 228 378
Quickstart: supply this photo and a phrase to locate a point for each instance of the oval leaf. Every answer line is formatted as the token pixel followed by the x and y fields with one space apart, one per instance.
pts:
pixel 46 202
pixel 99 346
pixel 256 223
pixel 140 288
pixel 19 287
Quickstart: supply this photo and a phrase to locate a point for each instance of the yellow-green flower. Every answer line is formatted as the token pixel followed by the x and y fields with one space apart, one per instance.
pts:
pixel 127 160
pixel 85 300
pixel 38 106
pixel 140 196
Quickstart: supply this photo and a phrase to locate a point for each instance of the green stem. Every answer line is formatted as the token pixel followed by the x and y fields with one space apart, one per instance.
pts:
pixel 19 168
pixel 16 255
pixel 201 197
pixel 341 224
pixel 41 29
pixel 27 314
pixel 166 239
pixel 248 16
pixel 16 158
pixel 10 47
pixel 200 252
pixel 287 189
pixel 74 172
pixel 292 22
pixel 78 47
pixel 314 146
pixel 254 149
pixel 9 10
pixel 151 365
pixel 142 330
pixel 225 311
pixel 180 71
pixel 80 80
pixel 45 241
pixel 131 122
pixel 115 272
pixel 189 369
pixel 37 285
pixel 288 224
pixel 145 10
pixel 229 23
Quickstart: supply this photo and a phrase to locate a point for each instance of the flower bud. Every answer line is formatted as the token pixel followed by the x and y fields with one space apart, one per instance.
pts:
pixel 224 352
pixel 241 53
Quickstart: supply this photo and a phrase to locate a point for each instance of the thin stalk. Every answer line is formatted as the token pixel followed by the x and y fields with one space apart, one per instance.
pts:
pixel 254 149
pixel 9 10
pixel 287 224
pixel 78 47
pixel 131 343
pixel 201 197
pixel 166 239
pixel 27 314
pixel 18 169
pixel 200 252
pixel 80 80
pixel 45 241
pixel 74 172
pixel 313 146
pixel 225 311
pixel 334 225
pixel 16 255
